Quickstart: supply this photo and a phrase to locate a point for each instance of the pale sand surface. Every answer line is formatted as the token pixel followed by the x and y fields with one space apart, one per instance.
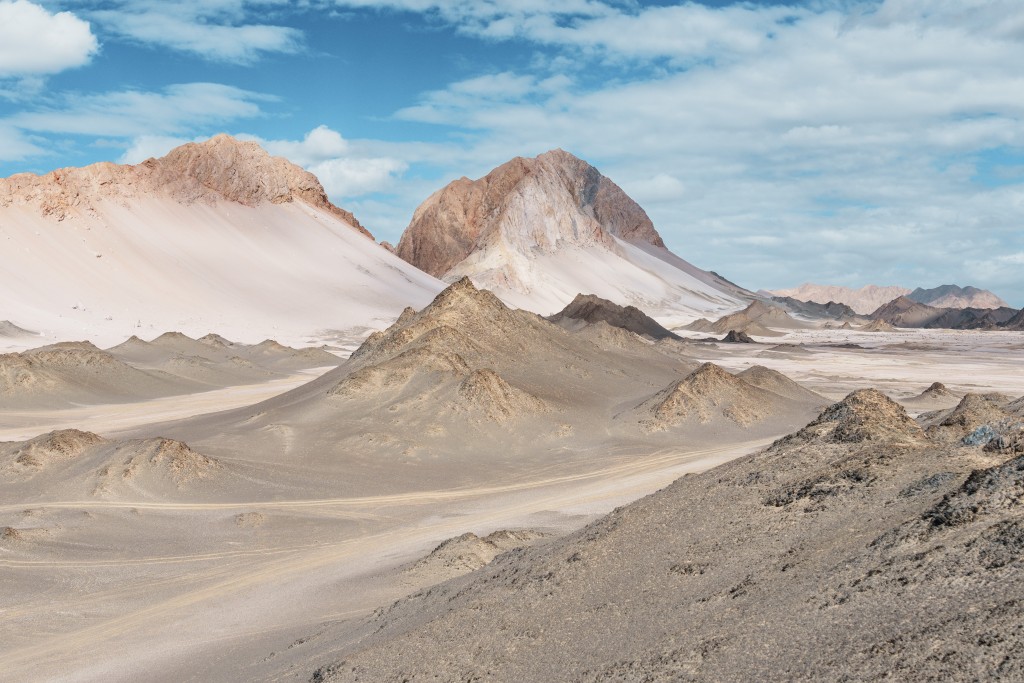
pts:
pixel 216 581
pixel 17 425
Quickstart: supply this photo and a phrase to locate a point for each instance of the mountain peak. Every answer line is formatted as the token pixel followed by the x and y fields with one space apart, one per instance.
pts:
pixel 221 168
pixel 513 203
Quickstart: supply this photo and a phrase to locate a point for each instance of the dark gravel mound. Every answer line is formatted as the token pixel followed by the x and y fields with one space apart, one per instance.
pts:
pixel 591 309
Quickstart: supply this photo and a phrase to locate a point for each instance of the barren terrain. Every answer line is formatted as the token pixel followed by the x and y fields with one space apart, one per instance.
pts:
pixel 248 532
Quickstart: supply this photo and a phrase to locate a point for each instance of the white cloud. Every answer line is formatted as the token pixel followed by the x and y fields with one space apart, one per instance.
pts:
pixel 352 177
pixel 215 30
pixel 320 144
pixel 133 113
pixel 35 42
pixel 344 170
pixel 14 146
pixel 150 146
pixel 660 188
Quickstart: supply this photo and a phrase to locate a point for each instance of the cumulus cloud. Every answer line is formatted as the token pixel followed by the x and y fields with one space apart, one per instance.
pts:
pixel 34 41
pixel 352 177
pixel 318 145
pixel 345 170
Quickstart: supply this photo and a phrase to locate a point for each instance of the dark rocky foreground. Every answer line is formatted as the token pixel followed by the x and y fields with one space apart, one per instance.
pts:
pixel 862 547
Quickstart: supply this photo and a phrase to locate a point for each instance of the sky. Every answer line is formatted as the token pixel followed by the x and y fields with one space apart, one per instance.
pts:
pixel 832 141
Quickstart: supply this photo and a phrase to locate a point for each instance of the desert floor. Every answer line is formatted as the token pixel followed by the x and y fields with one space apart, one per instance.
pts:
pixel 131 586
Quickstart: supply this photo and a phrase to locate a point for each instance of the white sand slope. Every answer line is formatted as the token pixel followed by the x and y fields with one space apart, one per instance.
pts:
pixel 216 236
pixel 278 270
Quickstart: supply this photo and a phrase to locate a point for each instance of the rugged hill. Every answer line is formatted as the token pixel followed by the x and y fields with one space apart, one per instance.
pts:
pixel 1016 322
pixel 866 550
pixel 865 300
pixel 431 395
pixel 905 312
pixel 216 235
pixel 589 309
pixel 538 231
pixel 954 296
pixel 710 395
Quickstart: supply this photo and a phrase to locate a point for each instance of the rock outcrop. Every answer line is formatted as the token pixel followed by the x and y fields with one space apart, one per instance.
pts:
pixel 866 415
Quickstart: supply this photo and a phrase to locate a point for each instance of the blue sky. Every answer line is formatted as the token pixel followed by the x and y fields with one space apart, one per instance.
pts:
pixel 835 141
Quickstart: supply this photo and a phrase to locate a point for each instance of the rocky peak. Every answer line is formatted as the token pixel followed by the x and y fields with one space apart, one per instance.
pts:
pixel 531 203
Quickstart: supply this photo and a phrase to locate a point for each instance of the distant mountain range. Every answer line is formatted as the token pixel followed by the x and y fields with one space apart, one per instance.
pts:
pixel 870 298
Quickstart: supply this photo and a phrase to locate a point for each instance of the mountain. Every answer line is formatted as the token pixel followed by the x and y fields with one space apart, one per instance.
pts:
pixel 973 318
pixel 864 300
pixel 215 235
pixel 905 312
pixel 588 309
pixel 954 296
pixel 539 231
pixel 863 549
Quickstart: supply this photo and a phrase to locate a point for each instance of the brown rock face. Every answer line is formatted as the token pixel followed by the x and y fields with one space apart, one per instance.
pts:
pixel 468 214
pixel 219 168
